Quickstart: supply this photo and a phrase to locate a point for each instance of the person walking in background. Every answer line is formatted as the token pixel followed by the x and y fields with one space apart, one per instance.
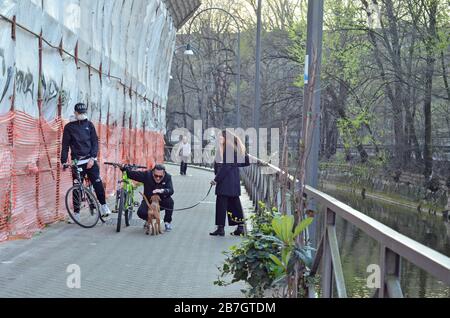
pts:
pixel 185 154
pixel 230 156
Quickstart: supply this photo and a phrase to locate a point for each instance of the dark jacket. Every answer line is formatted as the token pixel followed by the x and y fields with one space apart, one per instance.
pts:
pixel 150 185
pixel 80 136
pixel 227 177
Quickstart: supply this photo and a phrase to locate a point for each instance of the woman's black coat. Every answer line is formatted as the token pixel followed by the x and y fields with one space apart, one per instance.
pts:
pixel 227 177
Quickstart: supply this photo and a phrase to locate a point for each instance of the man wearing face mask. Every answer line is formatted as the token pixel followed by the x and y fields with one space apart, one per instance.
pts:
pixel 80 136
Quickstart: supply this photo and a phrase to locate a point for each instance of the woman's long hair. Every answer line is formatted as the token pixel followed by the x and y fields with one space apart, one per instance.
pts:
pixel 234 150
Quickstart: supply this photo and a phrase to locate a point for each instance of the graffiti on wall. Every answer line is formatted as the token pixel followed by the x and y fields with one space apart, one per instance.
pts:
pixel 25 83
pixel 6 76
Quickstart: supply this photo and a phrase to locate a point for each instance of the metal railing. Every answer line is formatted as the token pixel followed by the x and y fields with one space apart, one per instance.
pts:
pixel 393 246
pixel 269 184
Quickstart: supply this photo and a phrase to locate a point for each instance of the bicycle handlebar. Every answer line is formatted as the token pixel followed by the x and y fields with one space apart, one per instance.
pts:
pixel 70 165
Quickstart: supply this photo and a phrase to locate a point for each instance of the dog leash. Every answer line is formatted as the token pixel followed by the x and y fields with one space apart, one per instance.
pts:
pixel 197 204
pixel 191 207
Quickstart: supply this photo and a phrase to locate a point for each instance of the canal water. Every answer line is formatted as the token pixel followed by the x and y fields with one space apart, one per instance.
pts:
pixel 358 250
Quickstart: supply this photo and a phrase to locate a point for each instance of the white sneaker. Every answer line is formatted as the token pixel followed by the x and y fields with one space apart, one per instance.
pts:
pixel 76 216
pixel 105 210
pixel 168 227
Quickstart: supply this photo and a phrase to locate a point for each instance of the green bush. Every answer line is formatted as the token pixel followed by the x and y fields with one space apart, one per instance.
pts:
pixel 267 256
pixel 250 261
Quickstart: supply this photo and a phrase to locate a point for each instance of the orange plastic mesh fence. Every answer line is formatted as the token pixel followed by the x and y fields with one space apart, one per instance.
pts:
pixel 6 160
pixel 109 153
pixel 33 184
pixel 24 175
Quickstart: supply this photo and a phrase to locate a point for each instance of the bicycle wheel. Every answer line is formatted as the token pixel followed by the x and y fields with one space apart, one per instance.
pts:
pixel 82 206
pixel 121 197
pixel 129 212
pixel 91 188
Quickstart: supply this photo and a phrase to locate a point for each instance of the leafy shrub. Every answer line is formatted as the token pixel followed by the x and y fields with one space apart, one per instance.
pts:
pixel 268 256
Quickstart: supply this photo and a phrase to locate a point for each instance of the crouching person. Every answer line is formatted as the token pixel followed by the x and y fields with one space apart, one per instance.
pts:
pixel 156 181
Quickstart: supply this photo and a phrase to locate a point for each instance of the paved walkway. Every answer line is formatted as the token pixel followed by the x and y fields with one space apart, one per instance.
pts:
pixel 182 263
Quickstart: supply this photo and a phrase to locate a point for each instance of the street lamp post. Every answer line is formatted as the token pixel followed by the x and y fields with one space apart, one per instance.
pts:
pixel 189 50
pixel 238 59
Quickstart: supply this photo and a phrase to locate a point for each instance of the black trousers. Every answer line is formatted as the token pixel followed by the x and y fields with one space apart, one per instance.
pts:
pixel 166 205
pixel 94 176
pixel 183 167
pixel 230 207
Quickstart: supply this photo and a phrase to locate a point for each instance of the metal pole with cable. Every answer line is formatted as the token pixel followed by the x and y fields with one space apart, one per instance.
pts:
pixel 313 60
pixel 257 108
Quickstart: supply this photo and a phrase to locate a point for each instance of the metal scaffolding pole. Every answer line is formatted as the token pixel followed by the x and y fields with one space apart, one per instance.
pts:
pixel 314 59
pixel 257 108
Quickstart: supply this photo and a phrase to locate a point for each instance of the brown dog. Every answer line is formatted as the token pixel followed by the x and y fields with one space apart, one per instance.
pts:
pixel 153 214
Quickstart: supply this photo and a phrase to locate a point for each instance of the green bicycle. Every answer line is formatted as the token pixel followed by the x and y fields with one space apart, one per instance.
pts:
pixel 125 202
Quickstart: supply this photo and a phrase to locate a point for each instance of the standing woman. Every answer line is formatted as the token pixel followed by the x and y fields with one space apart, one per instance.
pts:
pixel 230 155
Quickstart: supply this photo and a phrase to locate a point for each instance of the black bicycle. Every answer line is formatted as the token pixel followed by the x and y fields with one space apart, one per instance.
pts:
pixel 125 202
pixel 81 202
